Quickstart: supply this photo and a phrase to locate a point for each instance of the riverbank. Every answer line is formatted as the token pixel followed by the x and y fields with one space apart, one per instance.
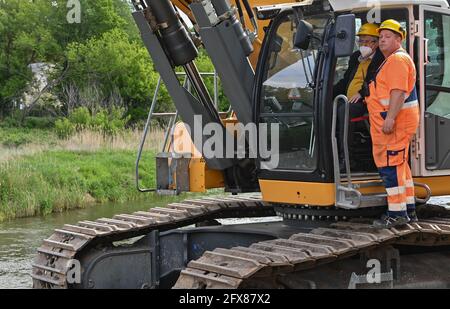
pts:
pixel 55 181
pixel 40 174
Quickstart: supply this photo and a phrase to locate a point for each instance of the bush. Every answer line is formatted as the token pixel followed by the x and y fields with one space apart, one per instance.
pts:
pixel 80 118
pixel 12 121
pixel 64 128
pixel 138 114
pixel 39 122
pixel 110 123
pixel 16 140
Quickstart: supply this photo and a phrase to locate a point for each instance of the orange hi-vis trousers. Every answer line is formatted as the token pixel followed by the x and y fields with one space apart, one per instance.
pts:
pixel 390 151
pixel 391 157
pixel 400 189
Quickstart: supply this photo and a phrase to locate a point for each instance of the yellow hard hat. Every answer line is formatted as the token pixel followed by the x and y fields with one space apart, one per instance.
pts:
pixel 393 25
pixel 369 29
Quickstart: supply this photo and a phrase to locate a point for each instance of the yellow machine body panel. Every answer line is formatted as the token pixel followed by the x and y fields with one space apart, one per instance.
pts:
pixel 201 178
pixel 295 192
pixel 323 194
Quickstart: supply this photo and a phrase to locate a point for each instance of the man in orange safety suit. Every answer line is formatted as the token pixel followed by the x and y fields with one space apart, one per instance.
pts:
pixel 394 119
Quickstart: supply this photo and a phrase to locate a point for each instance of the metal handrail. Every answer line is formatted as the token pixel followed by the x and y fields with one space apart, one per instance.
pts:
pixel 172 121
pixel 427 188
pixel 144 136
pixel 341 201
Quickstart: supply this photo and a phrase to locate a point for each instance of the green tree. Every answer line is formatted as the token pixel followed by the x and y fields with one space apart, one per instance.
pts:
pixel 114 62
pixel 38 31
pixel 25 38
pixel 97 17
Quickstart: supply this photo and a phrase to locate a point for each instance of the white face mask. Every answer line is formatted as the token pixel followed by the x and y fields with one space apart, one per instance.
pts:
pixel 365 51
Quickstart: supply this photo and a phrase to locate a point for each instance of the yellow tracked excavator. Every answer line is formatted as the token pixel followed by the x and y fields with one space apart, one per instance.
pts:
pixel 278 62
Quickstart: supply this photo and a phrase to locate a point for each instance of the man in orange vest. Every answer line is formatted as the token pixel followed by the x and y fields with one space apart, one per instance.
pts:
pixel 394 119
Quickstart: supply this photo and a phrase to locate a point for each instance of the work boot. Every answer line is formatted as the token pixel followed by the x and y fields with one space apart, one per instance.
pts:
pixel 387 222
pixel 413 216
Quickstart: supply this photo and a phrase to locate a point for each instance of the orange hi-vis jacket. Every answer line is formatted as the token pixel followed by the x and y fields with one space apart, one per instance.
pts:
pixel 397 72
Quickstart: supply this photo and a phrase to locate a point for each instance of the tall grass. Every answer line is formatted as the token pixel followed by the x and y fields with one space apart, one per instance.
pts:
pixel 50 175
pixel 12 153
pixel 89 140
pixel 54 181
pixel 37 140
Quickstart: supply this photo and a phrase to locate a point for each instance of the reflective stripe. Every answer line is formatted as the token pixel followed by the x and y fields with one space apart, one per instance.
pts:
pixel 397 206
pixel 395 190
pixel 385 102
pixel 409 183
pixel 410 200
pixel 410 104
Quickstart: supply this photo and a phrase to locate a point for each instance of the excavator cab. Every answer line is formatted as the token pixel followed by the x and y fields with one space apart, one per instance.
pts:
pixel 308 173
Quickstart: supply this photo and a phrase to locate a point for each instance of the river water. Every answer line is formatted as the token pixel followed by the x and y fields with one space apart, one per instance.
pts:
pixel 20 238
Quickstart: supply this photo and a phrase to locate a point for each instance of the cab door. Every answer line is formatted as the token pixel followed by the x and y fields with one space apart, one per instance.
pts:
pixel 434 70
pixel 286 96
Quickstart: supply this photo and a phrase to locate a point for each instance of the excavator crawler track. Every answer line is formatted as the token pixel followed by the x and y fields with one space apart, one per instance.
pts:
pixel 56 255
pixel 241 267
pixel 235 267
